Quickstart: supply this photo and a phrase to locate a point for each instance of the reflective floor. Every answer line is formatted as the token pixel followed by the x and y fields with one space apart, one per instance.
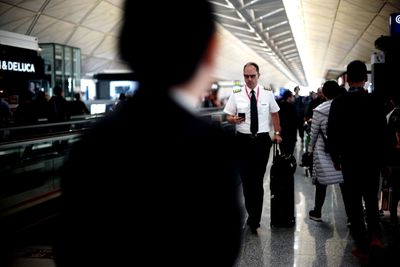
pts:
pixel 309 243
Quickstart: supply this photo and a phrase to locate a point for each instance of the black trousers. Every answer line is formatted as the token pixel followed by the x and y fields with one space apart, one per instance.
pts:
pixel 253 159
pixel 300 126
pixel 320 194
pixel 287 146
pixel 361 184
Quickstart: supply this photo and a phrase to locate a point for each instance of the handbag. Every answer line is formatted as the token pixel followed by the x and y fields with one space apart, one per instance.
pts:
pixel 307 157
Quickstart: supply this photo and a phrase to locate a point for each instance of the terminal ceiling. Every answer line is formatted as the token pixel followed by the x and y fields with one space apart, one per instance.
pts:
pixel 294 41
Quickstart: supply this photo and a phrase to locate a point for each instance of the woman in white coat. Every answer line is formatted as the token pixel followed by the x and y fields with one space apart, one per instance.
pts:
pixel 324 173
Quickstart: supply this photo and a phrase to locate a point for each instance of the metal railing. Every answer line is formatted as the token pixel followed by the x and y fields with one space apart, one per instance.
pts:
pixel 31 157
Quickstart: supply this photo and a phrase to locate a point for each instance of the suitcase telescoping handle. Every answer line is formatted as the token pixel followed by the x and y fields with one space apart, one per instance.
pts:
pixel 276 151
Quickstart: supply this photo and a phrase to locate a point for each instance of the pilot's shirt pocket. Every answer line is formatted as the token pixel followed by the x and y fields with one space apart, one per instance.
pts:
pixel 264 107
pixel 242 107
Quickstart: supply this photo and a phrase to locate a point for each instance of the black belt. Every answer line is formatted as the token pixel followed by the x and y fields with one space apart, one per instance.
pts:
pixel 252 135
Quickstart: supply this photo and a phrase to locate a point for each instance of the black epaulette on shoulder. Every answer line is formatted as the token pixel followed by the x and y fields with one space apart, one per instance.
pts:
pixel 237 90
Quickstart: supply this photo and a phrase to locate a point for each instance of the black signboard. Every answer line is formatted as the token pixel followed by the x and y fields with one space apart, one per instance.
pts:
pixel 19 66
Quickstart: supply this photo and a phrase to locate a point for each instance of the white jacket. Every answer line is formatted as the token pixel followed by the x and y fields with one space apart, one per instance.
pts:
pixel 323 169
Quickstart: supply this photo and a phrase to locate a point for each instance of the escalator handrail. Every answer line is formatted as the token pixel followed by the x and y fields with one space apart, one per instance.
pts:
pixel 45 125
pixel 41 139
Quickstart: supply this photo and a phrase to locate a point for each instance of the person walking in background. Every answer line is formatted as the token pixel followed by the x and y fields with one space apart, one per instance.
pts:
pixel 78 107
pixel 147 185
pixel 323 171
pixel 59 112
pixel 211 99
pixel 253 139
pixel 58 106
pixel 5 111
pixel 41 106
pixel 121 101
pixel 300 105
pixel 316 99
pixel 288 122
pixel 357 149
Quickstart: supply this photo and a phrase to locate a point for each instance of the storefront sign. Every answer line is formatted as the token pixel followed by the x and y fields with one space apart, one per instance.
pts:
pixel 17 66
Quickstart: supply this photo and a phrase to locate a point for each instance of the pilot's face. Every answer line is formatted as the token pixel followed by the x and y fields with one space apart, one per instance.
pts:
pixel 251 76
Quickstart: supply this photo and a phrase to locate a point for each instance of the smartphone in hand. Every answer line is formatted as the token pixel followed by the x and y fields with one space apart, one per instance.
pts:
pixel 242 115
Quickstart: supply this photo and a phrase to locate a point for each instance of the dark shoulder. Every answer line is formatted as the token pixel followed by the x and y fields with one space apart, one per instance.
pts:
pixel 341 99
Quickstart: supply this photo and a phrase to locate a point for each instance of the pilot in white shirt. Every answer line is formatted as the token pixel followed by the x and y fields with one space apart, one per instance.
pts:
pixel 253 148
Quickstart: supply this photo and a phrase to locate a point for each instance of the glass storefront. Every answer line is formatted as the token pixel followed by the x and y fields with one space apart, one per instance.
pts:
pixel 62 66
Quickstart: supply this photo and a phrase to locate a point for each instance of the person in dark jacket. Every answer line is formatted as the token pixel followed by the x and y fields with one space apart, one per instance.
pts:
pixel 315 102
pixel 58 106
pixel 288 121
pixel 78 107
pixel 356 135
pixel 300 105
pixel 145 192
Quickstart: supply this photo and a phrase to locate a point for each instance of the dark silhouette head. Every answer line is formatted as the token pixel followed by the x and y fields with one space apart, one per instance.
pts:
pixel 286 95
pixel 57 90
pixel 122 96
pixel 77 96
pixel 176 50
pixel 357 71
pixel 331 89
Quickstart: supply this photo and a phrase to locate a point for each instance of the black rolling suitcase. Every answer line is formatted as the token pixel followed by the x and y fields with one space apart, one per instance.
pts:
pixel 282 189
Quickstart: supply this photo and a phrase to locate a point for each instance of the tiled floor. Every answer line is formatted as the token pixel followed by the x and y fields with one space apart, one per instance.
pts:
pixel 309 243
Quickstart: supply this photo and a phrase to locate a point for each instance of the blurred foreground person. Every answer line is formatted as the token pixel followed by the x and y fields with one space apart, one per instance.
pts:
pixel 146 191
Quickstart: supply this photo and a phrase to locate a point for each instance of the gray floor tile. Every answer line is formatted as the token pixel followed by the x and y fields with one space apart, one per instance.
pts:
pixel 309 243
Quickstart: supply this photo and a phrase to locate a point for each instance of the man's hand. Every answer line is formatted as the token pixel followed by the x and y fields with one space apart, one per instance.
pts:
pixel 277 138
pixel 234 119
